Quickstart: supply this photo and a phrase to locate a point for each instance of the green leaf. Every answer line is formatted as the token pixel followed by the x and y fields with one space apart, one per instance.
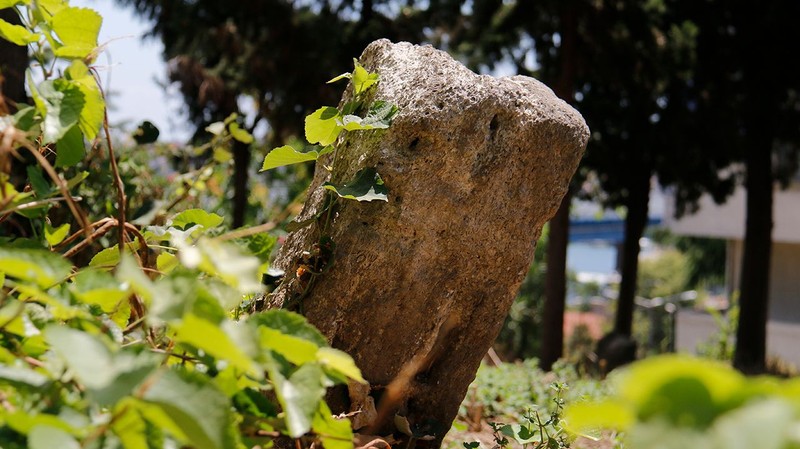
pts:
pixel 299 396
pixel 210 338
pixel 93 111
pixel 132 429
pixel 583 418
pixel 62 102
pixel 39 266
pixel 381 113
pixel 367 186
pixel 322 126
pixel 70 149
pixel 334 433
pixel 362 79
pixel 39 184
pixel 294 349
pixel 240 134
pixel 289 323
pixel 286 155
pixel 340 77
pixel 191 217
pixel 22 376
pixel 191 404
pixel 339 361
pixel 54 236
pixel 24 422
pixel 17 34
pixel 25 117
pixel 98 288
pixel 77 28
pixel 93 364
pixel 11 3
pixel 109 257
pixel 46 437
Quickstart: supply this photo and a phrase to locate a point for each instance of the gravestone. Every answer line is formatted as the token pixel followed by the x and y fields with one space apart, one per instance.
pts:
pixel 418 287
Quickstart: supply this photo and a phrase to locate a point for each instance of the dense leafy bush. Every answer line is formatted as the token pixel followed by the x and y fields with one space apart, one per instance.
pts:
pixel 127 318
pixel 679 402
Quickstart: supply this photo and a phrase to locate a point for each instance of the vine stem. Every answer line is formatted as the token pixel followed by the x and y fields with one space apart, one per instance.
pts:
pixel 62 186
pixel 121 198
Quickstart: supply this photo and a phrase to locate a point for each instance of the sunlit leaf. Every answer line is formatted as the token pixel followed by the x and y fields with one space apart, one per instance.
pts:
pixel 299 396
pixel 286 155
pixel 93 111
pixel 77 28
pixel 362 79
pixel 340 77
pixel 191 217
pixel 17 34
pixel 38 266
pixel 294 349
pixel 54 236
pixel 191 403
pixel 240 134
pixel 339 361
pixel 98 288
pixel 210 338
pixel 109 257
pixel 367 186
pixel 322 126
pixel 46 437
pixel 62 102
pixel 289 323
pixel 334 433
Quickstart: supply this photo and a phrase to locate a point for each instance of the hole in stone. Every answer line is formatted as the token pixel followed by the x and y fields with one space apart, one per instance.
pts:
pixel 413 144
pixel 493 125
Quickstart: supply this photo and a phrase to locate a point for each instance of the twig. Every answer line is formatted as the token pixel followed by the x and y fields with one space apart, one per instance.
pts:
pixel 74 236
pixel 121 198
pixel 62 186
pixel 245 232
pixel 88 240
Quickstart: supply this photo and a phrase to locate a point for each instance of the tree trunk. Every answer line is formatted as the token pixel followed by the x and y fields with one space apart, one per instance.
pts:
pixel 241 164
pixel 555 285
pixel 12 64
pixel 751 334
pixel 635 222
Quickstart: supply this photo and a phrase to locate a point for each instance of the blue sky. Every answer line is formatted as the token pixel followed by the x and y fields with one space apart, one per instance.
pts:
pixel 132 69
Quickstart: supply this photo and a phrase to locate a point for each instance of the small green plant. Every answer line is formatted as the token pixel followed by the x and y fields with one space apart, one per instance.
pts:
pixel 679 402
pixel 535 432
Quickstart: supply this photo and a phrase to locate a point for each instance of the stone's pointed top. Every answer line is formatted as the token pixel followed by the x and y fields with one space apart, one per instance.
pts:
pixel 450 85
pixel 474 167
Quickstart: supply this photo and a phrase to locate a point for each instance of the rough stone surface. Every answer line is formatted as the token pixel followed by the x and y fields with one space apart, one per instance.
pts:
pixel 420 285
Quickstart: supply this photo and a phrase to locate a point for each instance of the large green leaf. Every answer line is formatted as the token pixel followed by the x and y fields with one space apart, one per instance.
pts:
pixel 366 186
pixel 192 404
pixel 289 323
pixel 92 364
pixel 98 288
pixel 93 111
pixel 322 126
pixel 210 338
pixel 299 396
pixel 339 361
pixel 77 28
pixel 286 155
pixel 11 3
pixel 334 433
pixel 294 349
pixel 70 149
pixel 17 375
pixel 39 266
pixel 17 34
pixel 191 217
pixel 46 437
pixel 62 102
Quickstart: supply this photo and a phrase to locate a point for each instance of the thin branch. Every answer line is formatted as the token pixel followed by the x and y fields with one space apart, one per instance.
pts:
pixel 245 232
pixel 88 240
pixel 83 221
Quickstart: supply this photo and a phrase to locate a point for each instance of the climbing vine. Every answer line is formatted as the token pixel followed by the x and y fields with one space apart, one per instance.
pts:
pixel 324 128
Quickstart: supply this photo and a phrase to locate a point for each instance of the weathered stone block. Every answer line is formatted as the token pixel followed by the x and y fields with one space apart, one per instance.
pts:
pixel 421 285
